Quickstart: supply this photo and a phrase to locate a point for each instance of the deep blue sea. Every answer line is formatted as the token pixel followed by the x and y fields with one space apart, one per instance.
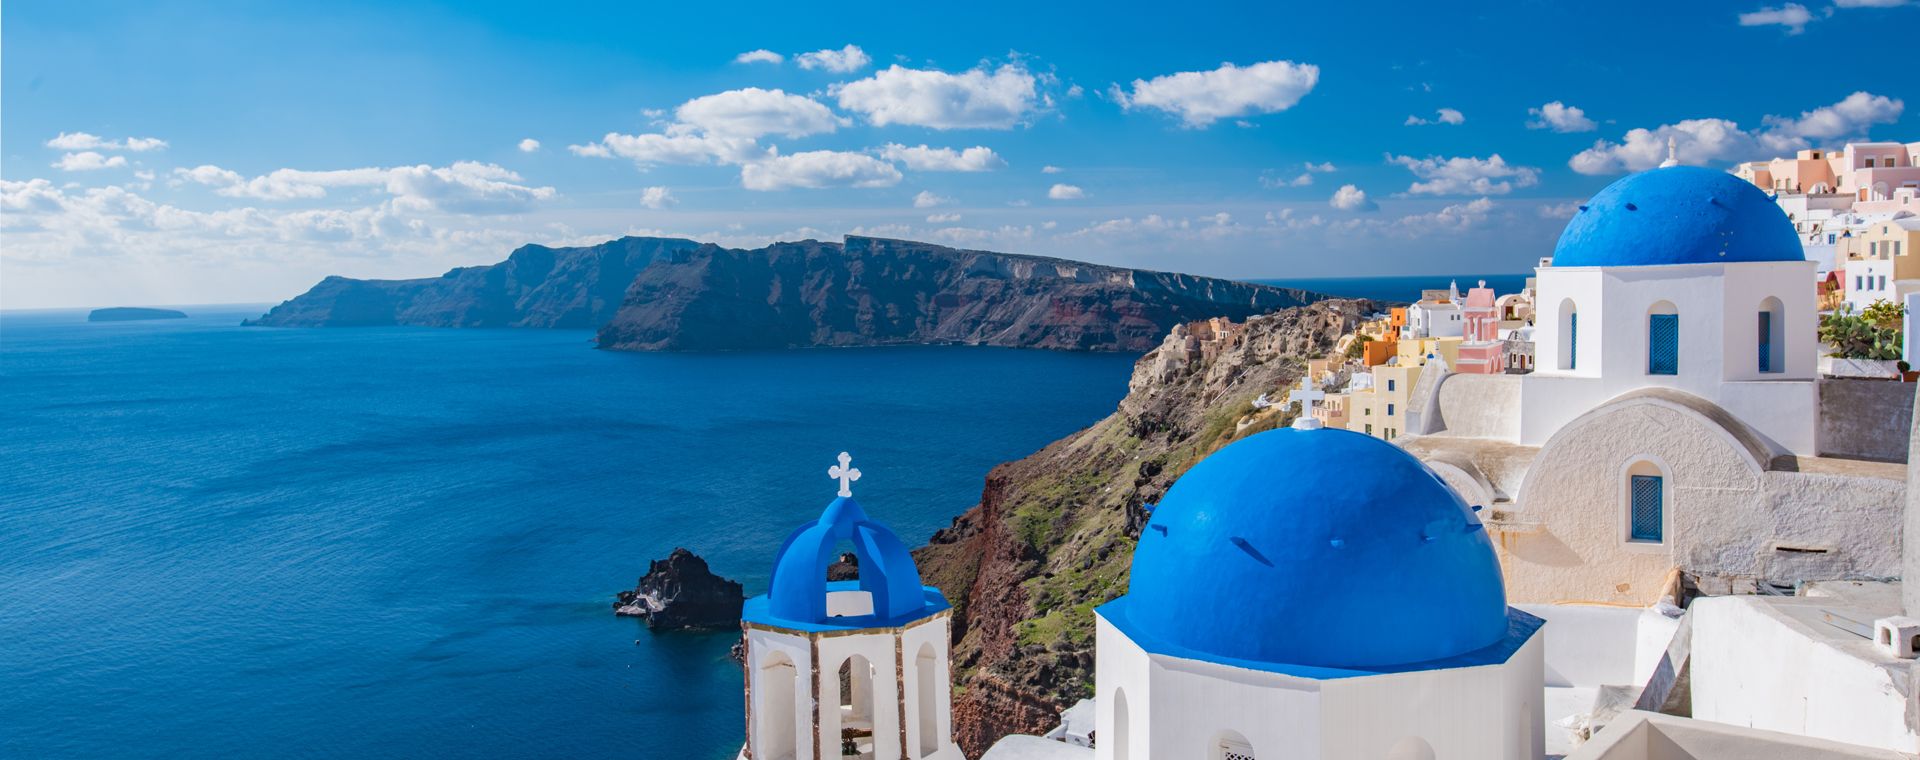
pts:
pixel 219 541
pixel 1400 288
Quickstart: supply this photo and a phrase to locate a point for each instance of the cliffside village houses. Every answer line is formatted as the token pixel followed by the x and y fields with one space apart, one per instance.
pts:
pixel 1623 514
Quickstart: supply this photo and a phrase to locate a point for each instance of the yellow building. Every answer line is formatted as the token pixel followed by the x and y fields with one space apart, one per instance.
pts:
pixel 1380 408
pixel 1413 351
pixel 1332 411
pixel 1893 240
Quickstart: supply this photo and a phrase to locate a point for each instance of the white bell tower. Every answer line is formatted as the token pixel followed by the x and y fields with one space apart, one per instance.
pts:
pixel 848 669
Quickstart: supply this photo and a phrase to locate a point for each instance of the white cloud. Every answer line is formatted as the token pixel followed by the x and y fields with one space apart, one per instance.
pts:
pixel 1455 218
pixel 691 149
pixel 1201 98
pixel 818 169
pixel 942 218
pixel 86 161
pixel 1066 192
pixel 1465 174
pixel 529 145
pixel 1560 117
pixel 1793 16
pixel 1871 3
pixel 1051 169
pixel 1352 198
pixel 1558 210
pixel 78 141
pixel 1323 167
pixel 847 59
pixel 1442 116
pixel 1305 179
pixel 466 187
pixel 753 112
pixel 923 158
pixel 657 197
pixel 1849 118
pixel 927 199
pixel 975 99
pixel 1705 141
pixel 758 56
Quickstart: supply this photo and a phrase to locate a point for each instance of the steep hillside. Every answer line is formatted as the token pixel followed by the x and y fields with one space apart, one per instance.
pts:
pixel 1053 533
pixel 536 286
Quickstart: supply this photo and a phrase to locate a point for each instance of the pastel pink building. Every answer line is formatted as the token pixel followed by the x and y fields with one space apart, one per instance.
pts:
pixel 1481 351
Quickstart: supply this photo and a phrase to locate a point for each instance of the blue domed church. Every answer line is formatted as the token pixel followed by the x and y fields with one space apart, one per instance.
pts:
pixel 847 668
pixel 1316 593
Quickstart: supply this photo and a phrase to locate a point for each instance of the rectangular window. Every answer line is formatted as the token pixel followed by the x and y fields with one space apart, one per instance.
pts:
pixel 1829 239
pixel 1389 410
pixel 1883 283
pixel 1766 341
pixel 1369 430
pixel 1646 516
pixel 1663 344
pixel 1389 385
pixel 1573 340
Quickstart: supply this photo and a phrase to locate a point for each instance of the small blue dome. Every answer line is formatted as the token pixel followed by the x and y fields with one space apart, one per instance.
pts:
pixel 797 594
pixel 1322 548
pixel 1677 215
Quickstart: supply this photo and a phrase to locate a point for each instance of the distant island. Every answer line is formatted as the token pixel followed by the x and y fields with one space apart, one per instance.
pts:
pixel 666 294
pixel 132 314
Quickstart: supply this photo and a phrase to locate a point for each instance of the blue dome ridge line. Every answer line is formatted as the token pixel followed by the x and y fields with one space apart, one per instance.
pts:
pixel 797 590
pixel 1677 215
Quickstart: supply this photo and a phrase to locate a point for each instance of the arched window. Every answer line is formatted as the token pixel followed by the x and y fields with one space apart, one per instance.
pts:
pixel 1663 339
pixel 1569 335
pixel 856 705
pixel 926 670
pixel 1770 336
pixel 1646 502
pixel 773 716
pixel 1230 745
pixel 1121 738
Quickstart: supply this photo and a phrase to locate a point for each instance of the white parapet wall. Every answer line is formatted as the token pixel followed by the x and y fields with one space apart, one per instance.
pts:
pixel 1775 663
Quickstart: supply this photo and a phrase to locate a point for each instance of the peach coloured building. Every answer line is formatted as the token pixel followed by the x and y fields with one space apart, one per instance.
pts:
pixel 1481 350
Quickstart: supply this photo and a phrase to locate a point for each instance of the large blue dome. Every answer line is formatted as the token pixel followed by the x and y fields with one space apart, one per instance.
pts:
pixel 1677 215
pixel 1321 548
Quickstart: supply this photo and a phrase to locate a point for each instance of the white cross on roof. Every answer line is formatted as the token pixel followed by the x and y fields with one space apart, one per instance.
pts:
pixel 845 473
pixel 1307 396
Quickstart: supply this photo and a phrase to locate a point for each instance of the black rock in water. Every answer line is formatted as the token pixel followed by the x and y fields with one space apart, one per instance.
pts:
pixel 847 568
pixel 132 313
pixel 680 593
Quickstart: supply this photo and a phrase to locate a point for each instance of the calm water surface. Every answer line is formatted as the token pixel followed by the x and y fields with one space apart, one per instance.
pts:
pixel 397 542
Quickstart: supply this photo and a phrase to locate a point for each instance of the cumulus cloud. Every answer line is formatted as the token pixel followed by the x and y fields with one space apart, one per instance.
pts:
pixel 975 99
pixel 1465 174
pixel 1051 169
pixel 1201 98
pixel 1456 218
pixel 926 159
pixel 817 169
pixel 466 187
pixel 753 112
pixel 1703 141
pixel 529 145
pixel 1442 116
pixel 927 199
pixel 657 197
pixel 86 161
pixel 691 149
pixel 762 55
pixel 1066 192
pixel 1793 16
pixel 79 141
pixel 1352 198
pixel 1560 117
pixel 1323 167
pixel 845 60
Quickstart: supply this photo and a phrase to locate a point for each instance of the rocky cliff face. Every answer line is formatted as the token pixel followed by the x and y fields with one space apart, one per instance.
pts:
pixel 681 593
pixel 1053 534
pixel 873 291
pixel 536 286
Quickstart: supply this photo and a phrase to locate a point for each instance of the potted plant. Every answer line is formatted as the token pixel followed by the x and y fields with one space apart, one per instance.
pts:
pixel 1864 345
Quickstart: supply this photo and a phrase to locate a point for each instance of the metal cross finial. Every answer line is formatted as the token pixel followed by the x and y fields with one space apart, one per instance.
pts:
pixel 1307 396
pixel 845 473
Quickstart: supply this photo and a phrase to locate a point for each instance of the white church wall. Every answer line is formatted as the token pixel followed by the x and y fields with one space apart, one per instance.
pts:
pixel 1491 711
pixel 764 648
pixel 878 651
pixel 1195 703
pixel 1123 688
pixel 1772 663
pixel 1557 288
pixel 1748 287
pixel 930 635
pixel 1596 645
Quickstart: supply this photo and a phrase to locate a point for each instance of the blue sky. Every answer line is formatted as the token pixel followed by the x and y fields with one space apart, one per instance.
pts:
pixel 228 152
